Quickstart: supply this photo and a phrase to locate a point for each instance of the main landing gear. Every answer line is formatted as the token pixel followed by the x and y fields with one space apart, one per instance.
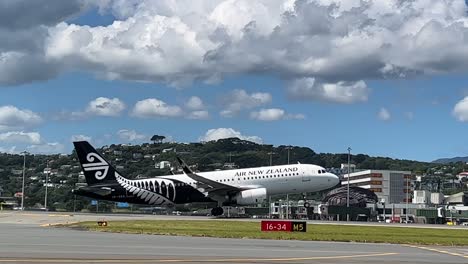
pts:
pixel 217 211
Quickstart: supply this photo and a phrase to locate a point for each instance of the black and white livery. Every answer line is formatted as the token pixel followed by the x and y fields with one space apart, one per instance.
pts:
pixel 228 187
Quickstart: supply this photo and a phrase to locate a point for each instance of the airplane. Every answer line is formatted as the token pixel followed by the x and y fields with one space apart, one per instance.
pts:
pixel 226 187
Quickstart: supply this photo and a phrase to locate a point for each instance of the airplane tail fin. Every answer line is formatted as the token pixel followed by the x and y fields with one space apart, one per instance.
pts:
pixel 95 168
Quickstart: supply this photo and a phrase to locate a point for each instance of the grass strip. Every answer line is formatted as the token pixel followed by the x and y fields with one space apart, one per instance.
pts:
pixel 235 229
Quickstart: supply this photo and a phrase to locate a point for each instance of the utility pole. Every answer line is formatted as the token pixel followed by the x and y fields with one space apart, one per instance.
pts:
pixel 22 186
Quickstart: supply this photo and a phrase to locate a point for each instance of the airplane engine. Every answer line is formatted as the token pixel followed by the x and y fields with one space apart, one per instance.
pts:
pixel 253 196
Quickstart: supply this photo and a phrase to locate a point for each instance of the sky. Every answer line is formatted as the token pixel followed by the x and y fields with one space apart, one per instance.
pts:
pixel 386 78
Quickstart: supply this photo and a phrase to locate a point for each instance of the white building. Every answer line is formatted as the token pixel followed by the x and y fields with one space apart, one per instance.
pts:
pixel 392 186
pixel 163 164
pixel 344 167
pixel 422 197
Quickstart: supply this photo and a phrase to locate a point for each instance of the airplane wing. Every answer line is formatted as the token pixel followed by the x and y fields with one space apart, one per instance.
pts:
pixel 209 186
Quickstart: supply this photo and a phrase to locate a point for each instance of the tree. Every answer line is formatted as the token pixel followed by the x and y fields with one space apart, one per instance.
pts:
pixel 157 139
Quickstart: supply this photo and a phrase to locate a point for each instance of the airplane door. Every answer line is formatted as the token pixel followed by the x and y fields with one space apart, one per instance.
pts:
pixel 305 178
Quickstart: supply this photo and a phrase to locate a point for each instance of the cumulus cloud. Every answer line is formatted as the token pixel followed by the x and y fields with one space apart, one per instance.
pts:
pixel 130 135
pixel 20 14
pixel 341 92
pixel 24 28
pixel 274 114
pixel 20 137
pixel 238 100
pixel 80 138
pixel 103 106
pixel 220 133
pixel 460 111
pixel 195 103
pixel 199 115
pixel 384 114
pixel 338 43
pixel 47 148
pixel 153 107
pixel 12 118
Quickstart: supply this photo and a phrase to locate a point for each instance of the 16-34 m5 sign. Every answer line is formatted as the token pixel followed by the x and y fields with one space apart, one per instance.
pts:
pixel 285 226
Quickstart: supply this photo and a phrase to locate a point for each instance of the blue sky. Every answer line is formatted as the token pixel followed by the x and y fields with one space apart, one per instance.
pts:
pixel 121 72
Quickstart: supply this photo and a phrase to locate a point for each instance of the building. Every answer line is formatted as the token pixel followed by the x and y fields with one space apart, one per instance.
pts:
pixel 422 197
pixel 462 175
pixel 389 186
pixel 460 198
pixel 163 164
pixel 344 167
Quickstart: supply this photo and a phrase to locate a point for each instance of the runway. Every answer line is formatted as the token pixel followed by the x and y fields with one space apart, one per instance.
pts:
pixel 50 218
pixel 29 242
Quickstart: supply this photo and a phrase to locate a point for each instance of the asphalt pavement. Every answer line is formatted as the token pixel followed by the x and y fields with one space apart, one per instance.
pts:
pixel 25 238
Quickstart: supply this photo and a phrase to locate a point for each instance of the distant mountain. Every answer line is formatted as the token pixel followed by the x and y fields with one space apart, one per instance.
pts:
pixel 450 160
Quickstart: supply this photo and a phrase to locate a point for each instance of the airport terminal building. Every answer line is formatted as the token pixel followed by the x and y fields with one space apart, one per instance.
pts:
pixel 392 186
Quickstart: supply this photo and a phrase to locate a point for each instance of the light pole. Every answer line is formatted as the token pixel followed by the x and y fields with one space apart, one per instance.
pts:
pixel 349 172
pixel 347 189
pixel 46 185
pixel 383 204
pixel 288 148
pixel 271 157
pixel 22 186
pixel 407 193
pixel 269 207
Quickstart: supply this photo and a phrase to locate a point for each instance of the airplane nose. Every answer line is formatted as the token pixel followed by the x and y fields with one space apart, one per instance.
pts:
pixel 333 179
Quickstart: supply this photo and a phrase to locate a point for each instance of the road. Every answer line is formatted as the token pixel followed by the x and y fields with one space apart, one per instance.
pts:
pixel 24 239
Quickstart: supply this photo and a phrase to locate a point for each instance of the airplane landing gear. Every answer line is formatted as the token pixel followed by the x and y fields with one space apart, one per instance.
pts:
pixel 217 211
